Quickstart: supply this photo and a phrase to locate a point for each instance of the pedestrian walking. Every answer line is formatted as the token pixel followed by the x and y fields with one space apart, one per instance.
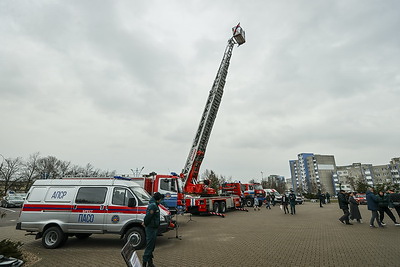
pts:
pixel 383 204
pixel 284 203
pixel 151 222
pixel 354 210
pixel 372 204
pixel 344 205
pixel 328 197
pixel 256 203
pixel 267 201
pixel 394 201
pixel 292 202
pixel 273 199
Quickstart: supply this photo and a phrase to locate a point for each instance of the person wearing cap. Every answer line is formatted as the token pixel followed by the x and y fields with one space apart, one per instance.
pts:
pixel 151 222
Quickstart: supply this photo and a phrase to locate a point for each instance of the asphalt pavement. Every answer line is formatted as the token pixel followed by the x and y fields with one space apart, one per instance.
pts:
pixel 312 237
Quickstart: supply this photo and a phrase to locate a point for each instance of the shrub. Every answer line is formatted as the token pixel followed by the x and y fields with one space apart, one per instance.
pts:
pixel 10 248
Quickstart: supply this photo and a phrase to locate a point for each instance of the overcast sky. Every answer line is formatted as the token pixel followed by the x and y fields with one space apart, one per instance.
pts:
pixel 122 84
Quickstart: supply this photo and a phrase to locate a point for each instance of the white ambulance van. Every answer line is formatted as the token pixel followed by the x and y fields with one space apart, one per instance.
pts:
pixel 56 209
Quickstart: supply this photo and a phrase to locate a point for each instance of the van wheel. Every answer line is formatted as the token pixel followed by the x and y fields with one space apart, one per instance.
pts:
pixel 136 236
pixel 216 207
pixel 82 236
pixel 53 237
pixel 222 207
pixel 249 202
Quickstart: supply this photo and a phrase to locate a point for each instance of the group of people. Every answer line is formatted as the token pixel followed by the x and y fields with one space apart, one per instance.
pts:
pixel 345 200
pixel 286 200
pixel 381 203
pixel 378 204
pixel 323 198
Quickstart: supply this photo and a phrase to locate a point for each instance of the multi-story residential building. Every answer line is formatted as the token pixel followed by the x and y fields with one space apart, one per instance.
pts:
pixel 311 173
pixel 394 167
pixel 348 176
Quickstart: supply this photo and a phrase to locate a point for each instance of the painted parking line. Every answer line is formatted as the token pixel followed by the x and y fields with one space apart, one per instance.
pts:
pixel 7 209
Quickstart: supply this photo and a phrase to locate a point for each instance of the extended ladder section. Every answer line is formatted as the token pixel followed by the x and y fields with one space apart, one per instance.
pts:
pixel 191 170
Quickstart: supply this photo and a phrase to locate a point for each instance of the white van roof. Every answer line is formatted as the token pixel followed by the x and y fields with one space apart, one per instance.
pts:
pixel 85 181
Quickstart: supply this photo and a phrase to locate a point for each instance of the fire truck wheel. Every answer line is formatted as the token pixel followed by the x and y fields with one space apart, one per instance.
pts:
pixel 53 237
pixel 222 207
pixel 216 207
pixel 249 202
pixel 136 236
pixel 82 236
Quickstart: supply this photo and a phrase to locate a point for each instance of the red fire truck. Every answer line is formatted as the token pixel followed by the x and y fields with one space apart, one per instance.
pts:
pixel 245 191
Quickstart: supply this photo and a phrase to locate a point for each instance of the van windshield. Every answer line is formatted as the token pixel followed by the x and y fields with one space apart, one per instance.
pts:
pixel 142 195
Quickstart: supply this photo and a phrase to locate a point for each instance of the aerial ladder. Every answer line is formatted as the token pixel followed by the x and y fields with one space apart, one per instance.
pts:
pixel 191 170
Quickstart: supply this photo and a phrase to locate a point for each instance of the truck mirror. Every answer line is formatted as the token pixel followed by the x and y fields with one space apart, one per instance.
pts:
pixel 132 202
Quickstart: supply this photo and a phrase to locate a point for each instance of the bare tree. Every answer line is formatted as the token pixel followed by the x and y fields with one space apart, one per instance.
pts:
pixel 52 168
pixel 30 170
pixel 10 172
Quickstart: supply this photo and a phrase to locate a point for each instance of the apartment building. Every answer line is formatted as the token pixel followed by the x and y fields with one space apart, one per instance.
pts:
pixel 313 172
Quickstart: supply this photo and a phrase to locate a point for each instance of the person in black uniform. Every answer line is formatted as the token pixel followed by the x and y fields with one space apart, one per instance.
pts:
pixel 344 205
pixel 151 222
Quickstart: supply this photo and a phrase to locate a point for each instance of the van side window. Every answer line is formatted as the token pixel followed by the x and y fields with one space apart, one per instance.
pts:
pixel 91 195
pixel 121 196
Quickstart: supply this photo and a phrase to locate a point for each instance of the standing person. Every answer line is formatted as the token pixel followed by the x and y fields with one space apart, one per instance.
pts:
pixel 151 222
pixel 394 201
pixel 267 201
pixel 292 202
pixel 328 197
pixel 321 198
pixel 256 203
pixel 383 204
pixel 273 199
pixel 284 203
pixel 344 205
pixel 354 210
pixel 372 204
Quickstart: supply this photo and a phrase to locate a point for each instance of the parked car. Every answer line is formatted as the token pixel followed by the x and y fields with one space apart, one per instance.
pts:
pixel 299 200
pixel 361 199
pixel 13 200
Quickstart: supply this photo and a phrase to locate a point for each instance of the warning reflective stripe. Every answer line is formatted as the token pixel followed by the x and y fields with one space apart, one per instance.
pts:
pixel 32 207
pixel 80 209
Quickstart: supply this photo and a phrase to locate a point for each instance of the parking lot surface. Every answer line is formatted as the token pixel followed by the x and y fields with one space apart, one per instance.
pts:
pixel 312 237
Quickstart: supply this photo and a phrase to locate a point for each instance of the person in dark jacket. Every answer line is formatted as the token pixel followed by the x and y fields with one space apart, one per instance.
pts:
pixel 151 222
pixel 344 205
pixel 292 202
pixel 394 201
pixel 321 197
pixel 267 201
pixel 328 197
pixel 383 204
pixel 354 210
pixel 372 204
pixel 284 203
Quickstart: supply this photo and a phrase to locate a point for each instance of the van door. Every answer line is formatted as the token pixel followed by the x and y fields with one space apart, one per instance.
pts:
pixel 118 212
pixel 88 211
